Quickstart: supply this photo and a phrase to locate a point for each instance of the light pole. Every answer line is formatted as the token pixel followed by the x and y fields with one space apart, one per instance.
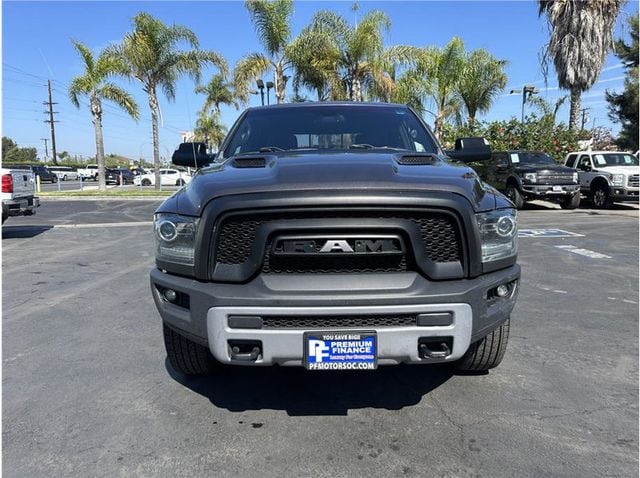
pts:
pixel 585 117
pixel 269 86
pixel 260 85
pixel 527 91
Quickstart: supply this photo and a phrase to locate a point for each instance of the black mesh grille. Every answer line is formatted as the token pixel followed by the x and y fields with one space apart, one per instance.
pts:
pixel 439 233
pixel 347 321
pixel 416 160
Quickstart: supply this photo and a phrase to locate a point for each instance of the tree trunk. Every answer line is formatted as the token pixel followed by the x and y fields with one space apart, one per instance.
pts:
pixel 96 112
pixel 153 104
pixel 357 89
pixel 280 84
pixel 574 111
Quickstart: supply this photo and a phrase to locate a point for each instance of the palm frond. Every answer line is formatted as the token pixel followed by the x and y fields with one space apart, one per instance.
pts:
pixel 271 20
pixel 117 95
pixel 247 69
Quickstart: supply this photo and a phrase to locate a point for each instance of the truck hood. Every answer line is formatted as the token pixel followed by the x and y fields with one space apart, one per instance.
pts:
pixel 626 170
pixel 328 172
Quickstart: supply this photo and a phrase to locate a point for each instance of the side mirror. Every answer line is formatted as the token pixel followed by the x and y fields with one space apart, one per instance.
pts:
pixel 470 149
pixel 192 155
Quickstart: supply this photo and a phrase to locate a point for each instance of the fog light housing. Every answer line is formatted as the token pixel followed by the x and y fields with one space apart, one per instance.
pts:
pixel 503 290
pixel 170 295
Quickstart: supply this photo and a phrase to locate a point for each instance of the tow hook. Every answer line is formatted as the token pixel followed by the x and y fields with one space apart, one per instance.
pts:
pixel 434 349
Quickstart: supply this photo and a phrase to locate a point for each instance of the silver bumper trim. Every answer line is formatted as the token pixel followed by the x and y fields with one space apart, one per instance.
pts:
pixel 285 346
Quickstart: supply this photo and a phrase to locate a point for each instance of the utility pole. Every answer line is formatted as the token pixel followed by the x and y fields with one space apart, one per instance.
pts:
pixel 51 121
pixel 46 148
pixel 527 91
pixel 585 118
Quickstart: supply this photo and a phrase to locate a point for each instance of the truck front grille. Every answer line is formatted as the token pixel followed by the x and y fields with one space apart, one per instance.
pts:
pixel 634 181
pixel 557 178
pixel 441 240
pixel 339 322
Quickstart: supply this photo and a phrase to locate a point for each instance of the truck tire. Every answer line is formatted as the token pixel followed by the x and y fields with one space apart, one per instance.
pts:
pixel 186 356
pixel 146 182
pixel 516 197
pixel 601 197
pixel 487 352
pixel 572 202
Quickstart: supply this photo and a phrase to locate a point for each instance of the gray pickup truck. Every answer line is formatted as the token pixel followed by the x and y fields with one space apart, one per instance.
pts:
pixel 334 236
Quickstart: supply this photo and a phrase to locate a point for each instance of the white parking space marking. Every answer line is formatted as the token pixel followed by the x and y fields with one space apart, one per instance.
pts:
pixel 547 233
pixel 105 224
pixel 584 252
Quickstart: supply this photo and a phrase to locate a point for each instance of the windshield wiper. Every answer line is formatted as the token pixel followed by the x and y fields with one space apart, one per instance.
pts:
pixel 370 146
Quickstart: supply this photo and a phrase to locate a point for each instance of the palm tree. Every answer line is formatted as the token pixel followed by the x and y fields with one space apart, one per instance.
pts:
pixel 581 37
pixel 482 79
pixel 362 60
pixel 272 21
pixel 210 130
pixel 94 84
pixel 151 55
pixel 441 70
pixel 217 93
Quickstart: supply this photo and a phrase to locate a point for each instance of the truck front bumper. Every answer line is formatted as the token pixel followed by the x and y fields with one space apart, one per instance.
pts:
pixel 203 310
pixel 549 191
pixel 20 206
pixel 622 194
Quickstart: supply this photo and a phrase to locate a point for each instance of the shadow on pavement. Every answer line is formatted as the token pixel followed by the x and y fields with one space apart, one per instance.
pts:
pixel 23 232
pixel 303 393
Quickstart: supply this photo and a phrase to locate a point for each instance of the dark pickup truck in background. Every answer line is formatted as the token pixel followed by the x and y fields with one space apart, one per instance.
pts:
pixel 529 175
pixel 334 236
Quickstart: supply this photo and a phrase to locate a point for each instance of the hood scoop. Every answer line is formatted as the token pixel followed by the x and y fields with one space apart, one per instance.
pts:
pixel 250 162
pixel 417 159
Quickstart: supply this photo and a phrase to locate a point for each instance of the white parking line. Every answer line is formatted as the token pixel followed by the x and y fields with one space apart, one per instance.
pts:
pixel 547 233
pixel 584 252
pixel 104 224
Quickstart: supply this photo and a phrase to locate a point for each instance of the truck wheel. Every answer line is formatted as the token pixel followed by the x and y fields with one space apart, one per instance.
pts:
pixel 515 196
pixel 487 352
pixel 601 197
pixel 572 202
pixel 146 182
pixel 186 356
pixel 180 182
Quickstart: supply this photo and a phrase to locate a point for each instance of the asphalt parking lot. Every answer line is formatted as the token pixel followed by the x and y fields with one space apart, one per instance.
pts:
pixel 89 185
pixel 87 392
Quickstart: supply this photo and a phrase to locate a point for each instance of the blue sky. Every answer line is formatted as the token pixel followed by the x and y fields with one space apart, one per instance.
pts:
pixel 36 46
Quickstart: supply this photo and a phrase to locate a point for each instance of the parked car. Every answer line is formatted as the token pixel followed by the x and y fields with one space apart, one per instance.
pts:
pixel 118 176
pixel 606 176
pixel 18 193
pixel 44 173
pixel 90 172
pixel 64 173
pixel 168 177
pixel 529 175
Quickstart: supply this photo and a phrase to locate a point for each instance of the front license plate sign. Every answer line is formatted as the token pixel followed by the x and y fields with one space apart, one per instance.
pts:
pixel 557 189
pixel 340 350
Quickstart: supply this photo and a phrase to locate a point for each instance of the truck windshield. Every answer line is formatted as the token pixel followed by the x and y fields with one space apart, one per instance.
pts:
pixel 330 127
pixel 615 159
pixel 532 158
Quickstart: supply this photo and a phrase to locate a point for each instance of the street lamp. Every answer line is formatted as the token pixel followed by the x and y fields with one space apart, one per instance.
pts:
pixel 260 85
pixel 527 91
pixel 269 86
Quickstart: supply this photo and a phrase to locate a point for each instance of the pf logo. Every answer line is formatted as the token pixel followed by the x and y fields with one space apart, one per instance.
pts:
pixel 318 350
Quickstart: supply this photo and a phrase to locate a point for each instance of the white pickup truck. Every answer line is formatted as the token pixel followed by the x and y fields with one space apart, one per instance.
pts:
pixel 18 193
pixel 90 172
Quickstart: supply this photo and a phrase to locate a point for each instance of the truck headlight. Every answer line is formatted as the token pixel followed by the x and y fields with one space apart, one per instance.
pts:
pixel 498 234
pixel 617 179
pixel 531 177
pixel 574 176
pixel 175 238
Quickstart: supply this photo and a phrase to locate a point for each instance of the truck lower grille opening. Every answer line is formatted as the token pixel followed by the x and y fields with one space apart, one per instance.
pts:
pixel 339 322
